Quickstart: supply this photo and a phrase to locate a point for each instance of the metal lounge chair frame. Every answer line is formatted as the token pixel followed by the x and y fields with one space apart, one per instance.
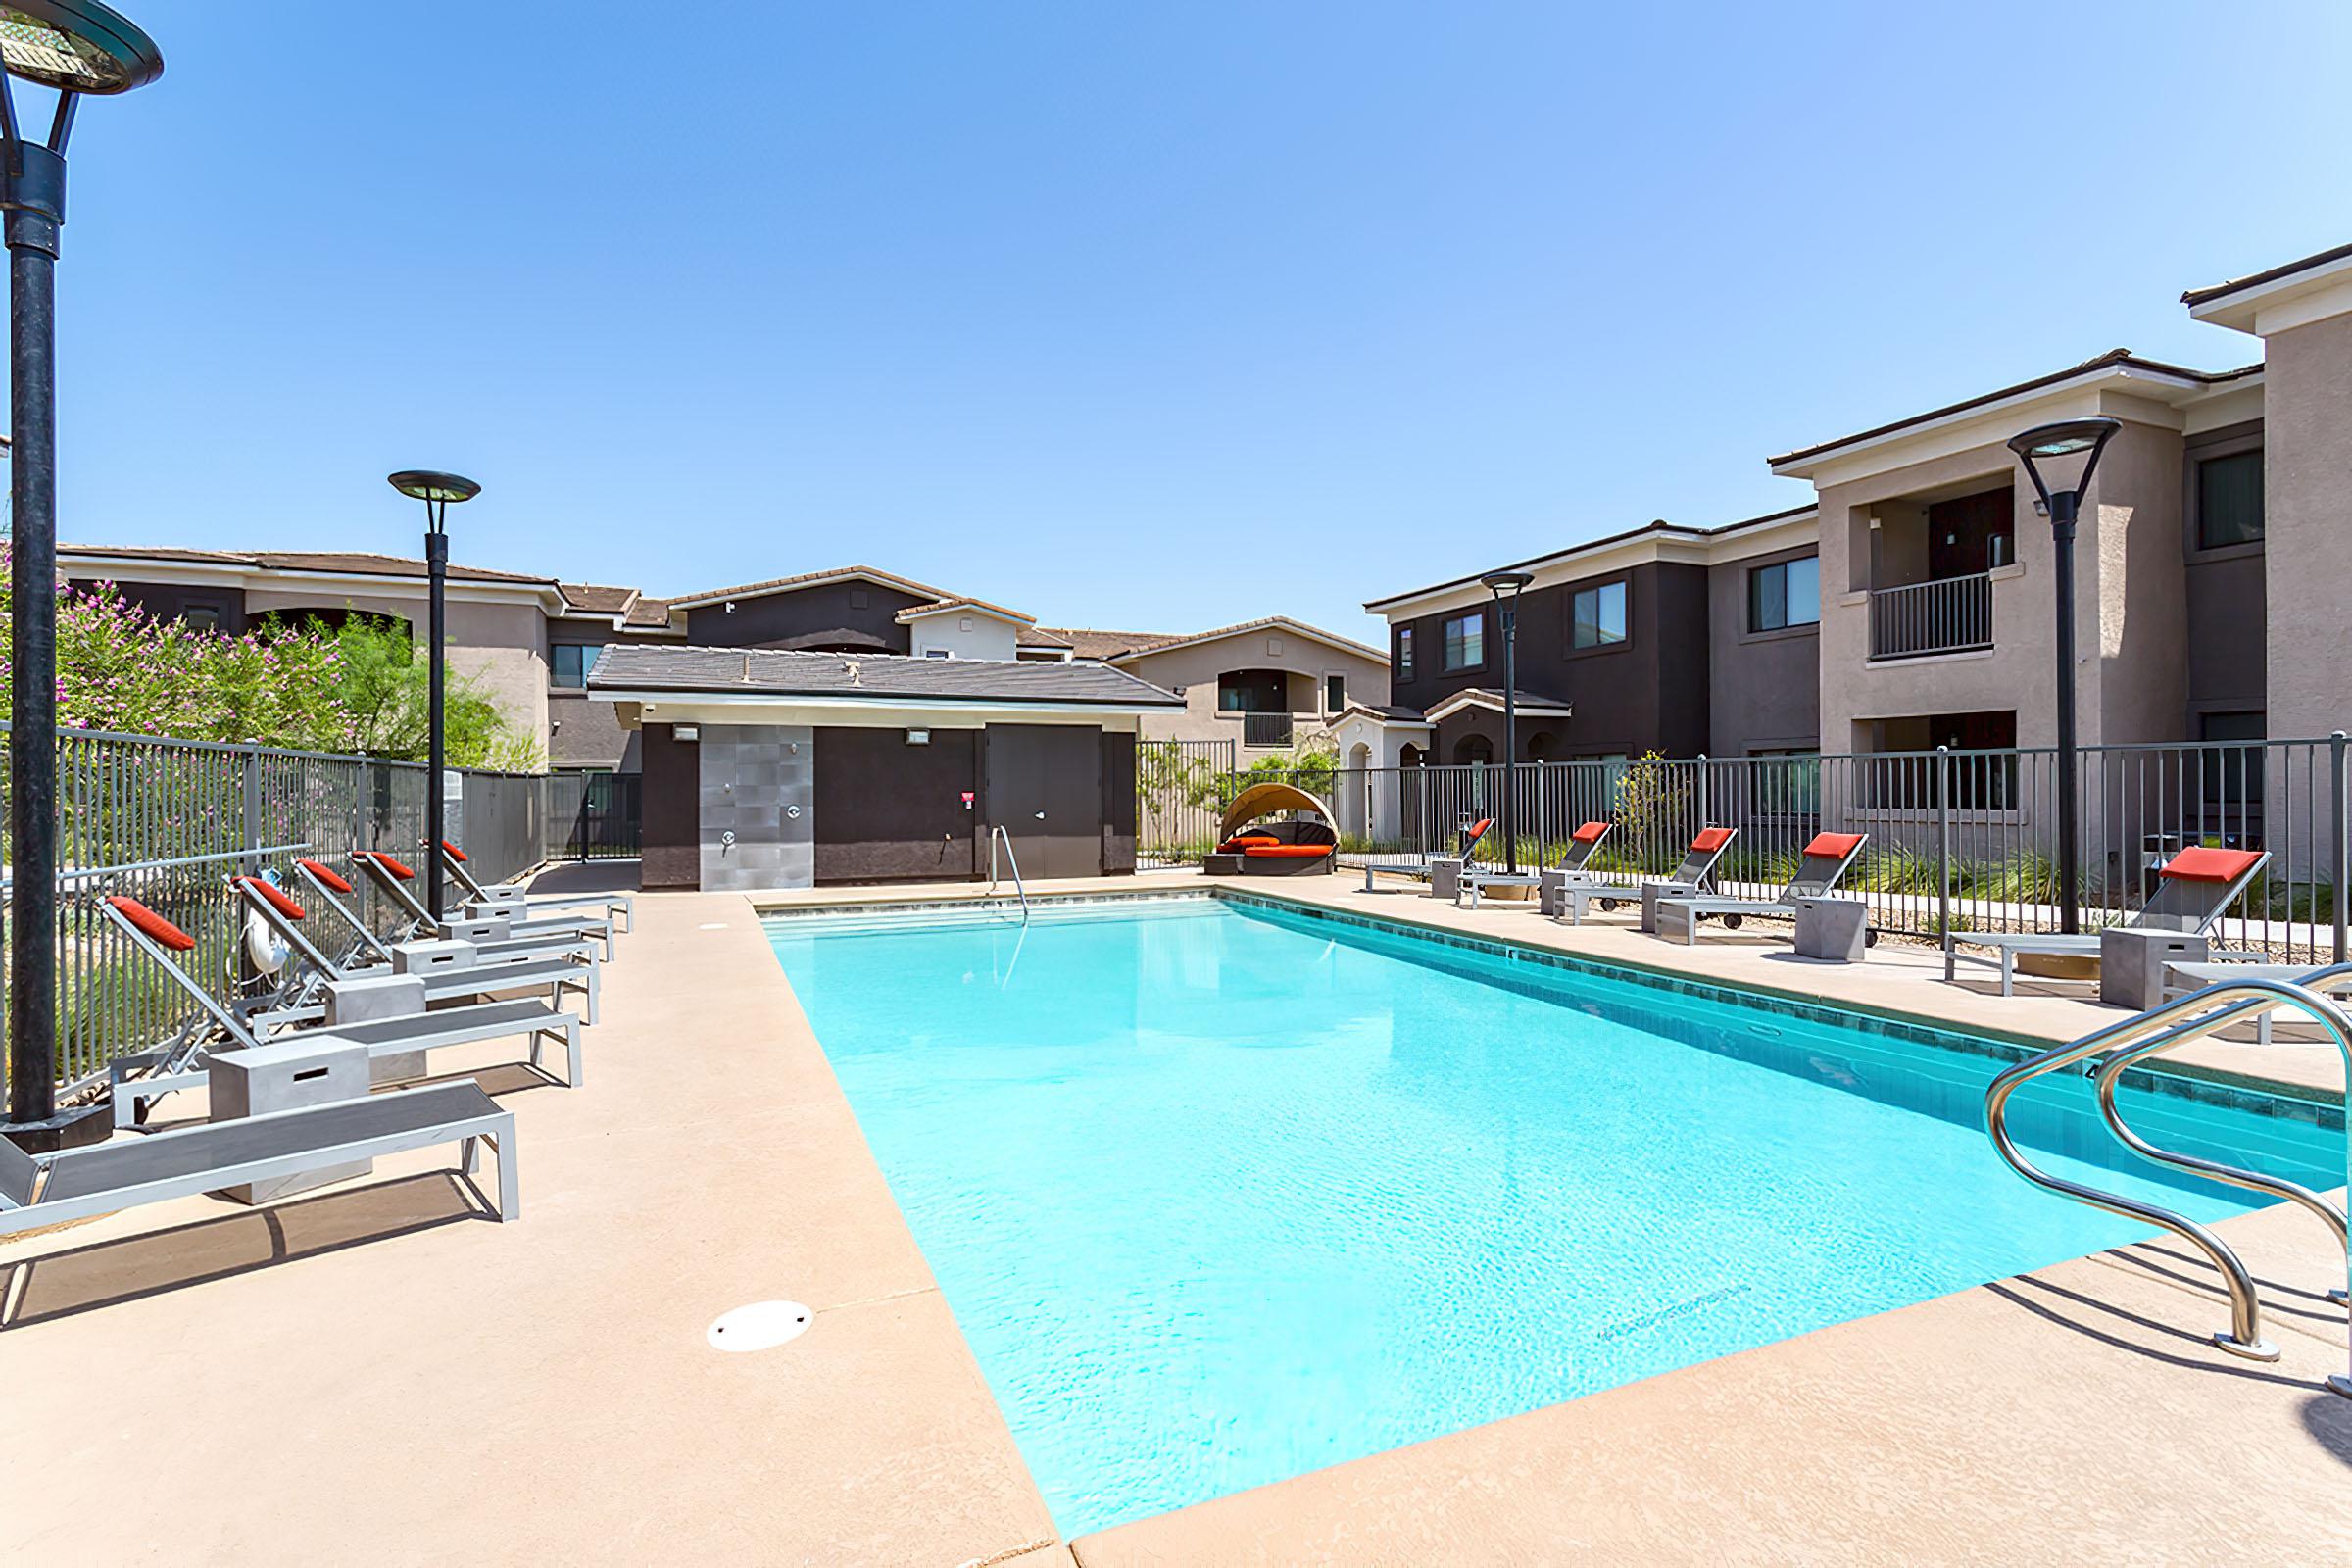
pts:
pixel 1693 876
pixel 283 916
pixel 326 883
pixel 2185 900
pixel 1826 859
pixel 1581 844
pixel 2332 979
pixel 454 859
pixel 150 1075
pixel 526 939
pixel 43 1189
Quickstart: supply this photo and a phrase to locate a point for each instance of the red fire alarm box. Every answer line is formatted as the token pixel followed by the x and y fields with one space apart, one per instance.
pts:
pixel 968 799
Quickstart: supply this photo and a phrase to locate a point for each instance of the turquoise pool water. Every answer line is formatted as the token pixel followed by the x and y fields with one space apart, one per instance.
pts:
pixel 1221 1195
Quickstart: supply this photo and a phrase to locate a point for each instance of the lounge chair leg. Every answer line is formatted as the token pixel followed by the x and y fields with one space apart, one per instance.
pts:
pixel 510 1186
pixel 571 1051
pixel 2006 958
pixel 594 986
pixel 468 1155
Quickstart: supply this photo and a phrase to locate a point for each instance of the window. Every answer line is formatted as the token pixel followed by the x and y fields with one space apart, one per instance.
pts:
pixel 2230 500
pixel 2232 761
pixel 936 653
pixel 1251 691
pixel 1597 618
pixel 1335 693
pixel 568 664
pixel 201 617
pixel 1786 594
pixel 1466 641
pixel 1404 653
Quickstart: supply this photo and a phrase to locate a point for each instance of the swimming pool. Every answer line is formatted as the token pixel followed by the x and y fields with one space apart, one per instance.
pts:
pixel 1220 1193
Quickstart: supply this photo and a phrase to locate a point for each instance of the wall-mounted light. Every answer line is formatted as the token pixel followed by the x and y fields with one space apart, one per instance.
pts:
pixel 918 737
pixel 685 732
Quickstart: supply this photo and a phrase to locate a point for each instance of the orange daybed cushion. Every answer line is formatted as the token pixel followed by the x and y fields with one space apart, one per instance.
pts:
pixel 274 896
pixel 2199 864
pixel 1711 839
pixel 452 850
pixel 388 864
pixel 1287 852
pixel 1835 846
pixel 1241 841
pixel 1589 832
pixel 152 924
pixel 326 874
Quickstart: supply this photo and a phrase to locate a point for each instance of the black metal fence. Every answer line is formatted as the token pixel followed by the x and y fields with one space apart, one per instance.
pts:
pixel 168 821
pixel 1182 788
pixel 595 817
pixel 1959 840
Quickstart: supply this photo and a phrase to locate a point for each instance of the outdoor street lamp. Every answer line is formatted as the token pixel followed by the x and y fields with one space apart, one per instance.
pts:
pixel 436 491
pixel 2044 443
pixel 1506 617
pixel 77 47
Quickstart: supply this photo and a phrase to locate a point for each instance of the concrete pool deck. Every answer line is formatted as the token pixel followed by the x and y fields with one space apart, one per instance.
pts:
pixel 377 1374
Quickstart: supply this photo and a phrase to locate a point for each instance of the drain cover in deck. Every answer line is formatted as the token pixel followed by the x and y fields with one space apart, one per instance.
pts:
pixel 761 1326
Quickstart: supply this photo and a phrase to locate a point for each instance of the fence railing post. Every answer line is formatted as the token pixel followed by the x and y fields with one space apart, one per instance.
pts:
pixel 2340 830
pixel 1944 854
pixel 252 776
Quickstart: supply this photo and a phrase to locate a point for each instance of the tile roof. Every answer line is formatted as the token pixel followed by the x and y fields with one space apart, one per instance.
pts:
pixel 1091 644
pixel 355 563
pixel 648 612
pixel 942 605
pixel 1153 644
pixel 753 590
pixel 890 679
pixel 1039 637
pixel 2270 275
pixel 598 600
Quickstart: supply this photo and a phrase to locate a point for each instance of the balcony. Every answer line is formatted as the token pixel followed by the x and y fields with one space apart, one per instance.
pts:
pixel 1943 616
pixel 1266 729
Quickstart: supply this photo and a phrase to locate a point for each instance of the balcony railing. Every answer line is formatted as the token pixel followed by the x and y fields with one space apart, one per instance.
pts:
pixel 1948 615
pixel 1265 729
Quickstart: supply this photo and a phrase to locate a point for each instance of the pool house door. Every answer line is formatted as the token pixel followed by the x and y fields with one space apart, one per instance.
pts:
pixel 1045 788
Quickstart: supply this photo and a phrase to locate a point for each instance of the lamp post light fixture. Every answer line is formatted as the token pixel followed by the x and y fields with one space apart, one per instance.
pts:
pixel 436 491
pixel 2067 439
pixel 1506 617
pixel 77 47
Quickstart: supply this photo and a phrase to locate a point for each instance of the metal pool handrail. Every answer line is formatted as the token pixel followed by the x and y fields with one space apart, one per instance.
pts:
pixel 997 834
pixel 2106 1074
pixel 2160 1028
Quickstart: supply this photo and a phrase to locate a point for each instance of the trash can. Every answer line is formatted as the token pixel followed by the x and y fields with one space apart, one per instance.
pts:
pixel 311 1070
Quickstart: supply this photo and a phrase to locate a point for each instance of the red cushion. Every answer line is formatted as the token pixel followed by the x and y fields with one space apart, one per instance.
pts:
pixel 388 864
pixel 1241 841
pixel 1589 833
pixel 152 924
pixel 1836 846
pixel 1287 852
pixel 1711 839
pixel 1479 828
pixel 274 896
pixel 326 874
pixel 452 850
pixel 2198 864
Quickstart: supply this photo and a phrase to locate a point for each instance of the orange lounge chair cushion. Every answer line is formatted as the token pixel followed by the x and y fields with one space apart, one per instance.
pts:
pixel 152 924
pixel 388 864
pixel 326 874
pixel 274 896
pixel 1589 833
pixel 2199 864
pixel 1836 846
pixel 452 850
pixel 1241 841
pixel 1286 852
pixel 1711 839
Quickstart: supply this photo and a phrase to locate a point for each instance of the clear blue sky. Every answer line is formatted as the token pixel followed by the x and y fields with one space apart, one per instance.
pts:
pixel 1136 316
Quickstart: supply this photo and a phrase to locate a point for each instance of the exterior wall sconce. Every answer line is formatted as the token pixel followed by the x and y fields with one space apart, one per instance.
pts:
pixel 685 732
pixel 918 737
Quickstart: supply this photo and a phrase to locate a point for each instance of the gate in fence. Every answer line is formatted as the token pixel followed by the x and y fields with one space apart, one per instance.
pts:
pixel 595 817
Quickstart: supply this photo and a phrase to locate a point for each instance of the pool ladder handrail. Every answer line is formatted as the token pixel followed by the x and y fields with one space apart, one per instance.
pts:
pixel 996 834
pixel 2131 1040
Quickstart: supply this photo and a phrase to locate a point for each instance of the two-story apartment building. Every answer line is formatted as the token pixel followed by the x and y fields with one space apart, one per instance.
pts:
pixel 1910 604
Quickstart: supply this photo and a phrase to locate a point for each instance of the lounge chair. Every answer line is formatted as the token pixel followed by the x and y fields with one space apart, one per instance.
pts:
pixel 1570 864
pixel 150 1075
pixel 2193 889
pixel 1695 875
pixel 298 1003
pixel 510 892
pixel 43 1189
pixel 392 877
pixel 1824 864
pixel 2185 979
pixel 331 888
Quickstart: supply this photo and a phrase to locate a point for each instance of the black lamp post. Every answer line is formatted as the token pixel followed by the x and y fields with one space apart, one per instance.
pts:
pixel 436 491
pixel 1507 619
pixel 75 47
pixel 2044 443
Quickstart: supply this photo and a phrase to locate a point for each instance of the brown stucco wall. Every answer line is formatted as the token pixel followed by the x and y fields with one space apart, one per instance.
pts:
pixel 169 601
pixel 806 617
pixel 672 808
pixel 1764 686
pixel 887 811
pixel 2307 483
